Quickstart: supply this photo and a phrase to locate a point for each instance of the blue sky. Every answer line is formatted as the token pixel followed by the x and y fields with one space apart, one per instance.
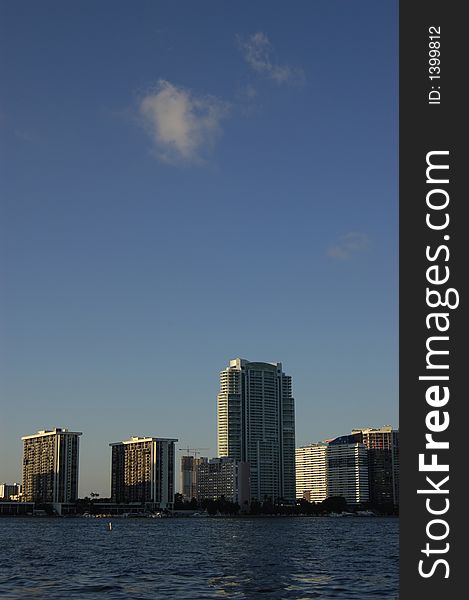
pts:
pixel 187 182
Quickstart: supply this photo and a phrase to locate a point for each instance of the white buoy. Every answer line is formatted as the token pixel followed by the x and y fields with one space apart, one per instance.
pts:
pixel 110 526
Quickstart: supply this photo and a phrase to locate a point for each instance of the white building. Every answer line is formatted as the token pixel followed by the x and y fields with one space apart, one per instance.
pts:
pixel 50 466
pixel 311 472
pixel 10 491
pixel 143 471
pixel 347 467
pixel 256 424
pixel 383 462
pixel 225 477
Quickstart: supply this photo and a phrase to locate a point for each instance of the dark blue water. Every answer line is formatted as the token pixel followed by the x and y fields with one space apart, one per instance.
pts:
pixel 269 558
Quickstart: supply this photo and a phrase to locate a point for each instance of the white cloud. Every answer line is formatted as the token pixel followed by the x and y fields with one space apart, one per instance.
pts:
pixel 348 245
pixel 257 51
pixel 184 127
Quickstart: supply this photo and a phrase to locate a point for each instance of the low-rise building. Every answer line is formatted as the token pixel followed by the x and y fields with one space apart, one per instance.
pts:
pixel 10 509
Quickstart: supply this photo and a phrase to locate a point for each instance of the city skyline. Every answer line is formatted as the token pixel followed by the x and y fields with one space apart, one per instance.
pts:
pixel 309 472
pixel 105 489
pixel 252 386
pixel 178 192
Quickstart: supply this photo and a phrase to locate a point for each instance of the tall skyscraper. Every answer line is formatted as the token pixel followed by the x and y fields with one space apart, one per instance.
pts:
pixel 383 460
pixel 256 424
pixel 143 471
pixel 50 466
pixel 311 472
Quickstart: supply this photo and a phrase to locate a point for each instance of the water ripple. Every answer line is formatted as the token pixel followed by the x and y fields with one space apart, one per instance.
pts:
pixel 198 559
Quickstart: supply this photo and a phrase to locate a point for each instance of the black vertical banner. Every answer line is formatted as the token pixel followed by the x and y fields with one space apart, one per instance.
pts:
pixel 433 274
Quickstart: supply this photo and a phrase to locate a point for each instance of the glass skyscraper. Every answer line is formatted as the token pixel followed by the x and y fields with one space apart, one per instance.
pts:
pixel 256 424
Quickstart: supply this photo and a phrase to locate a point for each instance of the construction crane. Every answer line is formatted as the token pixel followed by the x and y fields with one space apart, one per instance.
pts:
pixel 193 451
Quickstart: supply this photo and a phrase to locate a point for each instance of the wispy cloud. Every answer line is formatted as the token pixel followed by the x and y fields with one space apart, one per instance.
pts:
pixel 247 100
pixel 258 53
pixel 349 245
pixel 183 126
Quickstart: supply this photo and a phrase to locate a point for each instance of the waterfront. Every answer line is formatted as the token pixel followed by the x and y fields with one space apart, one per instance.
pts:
pixel 191 559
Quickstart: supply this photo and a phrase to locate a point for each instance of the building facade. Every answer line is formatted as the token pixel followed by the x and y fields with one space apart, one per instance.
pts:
pixel 311 472
pixel 188 486
pixel 10 491
pixel 256 424
pixel 383 462
pixel 50 466
pixel 225 477
pixel 347 468
pixel 143 471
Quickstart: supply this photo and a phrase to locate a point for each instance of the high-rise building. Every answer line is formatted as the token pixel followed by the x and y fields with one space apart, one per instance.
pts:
pixel 143 471
pixel 189 466
pixel 9 490
pixel 311 472
pixel 50 466
pixel 256 424
pixel 225 477
pixel 347 468
pixel 383 462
